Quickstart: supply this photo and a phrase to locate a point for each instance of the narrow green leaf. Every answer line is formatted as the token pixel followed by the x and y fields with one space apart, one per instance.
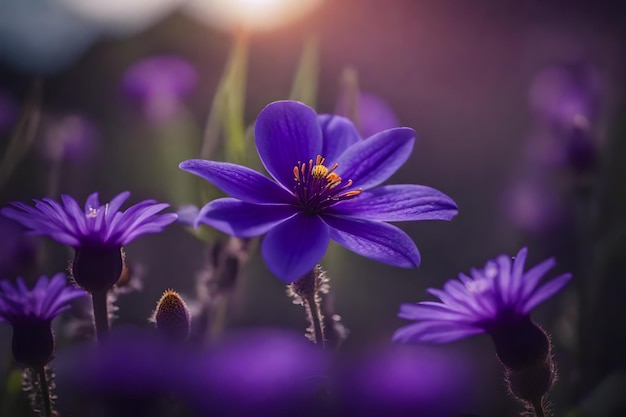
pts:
pixel 304 87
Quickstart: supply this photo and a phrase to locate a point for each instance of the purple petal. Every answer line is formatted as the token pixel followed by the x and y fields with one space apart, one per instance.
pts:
pixel 375 115
pixel 435 332
pixel 241 219
pixel 532 277
pixel 375 240
pixel 292 248
pixel 546 291
pixel 517 271
pixel 238 181
pixel 435 311
pixel 338 134
pixel 287 132
pixel 395 203
pixel 372 161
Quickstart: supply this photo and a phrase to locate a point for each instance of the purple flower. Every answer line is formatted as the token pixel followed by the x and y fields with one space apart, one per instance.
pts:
pixel 30 313
pixel 311 201
pixel 497 297
pixel 97 233
pixel 374 114
pixel 71 138
pixel 402 381
pixel 159 83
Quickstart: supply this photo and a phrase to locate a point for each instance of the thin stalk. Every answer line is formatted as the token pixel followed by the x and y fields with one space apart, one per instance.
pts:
pixel 100 313
pixel 538 408
pixel 45 391
pixel 318 329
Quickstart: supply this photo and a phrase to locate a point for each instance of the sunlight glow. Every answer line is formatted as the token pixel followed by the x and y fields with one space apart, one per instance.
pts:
pixel 249 14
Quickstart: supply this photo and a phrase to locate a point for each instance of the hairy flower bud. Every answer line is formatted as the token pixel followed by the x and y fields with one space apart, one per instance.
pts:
pixel 97 269
pixel 172 316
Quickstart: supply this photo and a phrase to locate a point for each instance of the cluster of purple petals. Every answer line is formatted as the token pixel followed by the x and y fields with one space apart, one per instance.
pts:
pixel 494 297
pixel 94 226
pixel 43 302
pixel 299 214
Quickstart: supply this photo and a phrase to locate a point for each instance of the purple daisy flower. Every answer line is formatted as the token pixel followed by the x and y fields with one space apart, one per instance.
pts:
pixel 97 233
pixel 30 313
pixel 311 201
pixel 495 298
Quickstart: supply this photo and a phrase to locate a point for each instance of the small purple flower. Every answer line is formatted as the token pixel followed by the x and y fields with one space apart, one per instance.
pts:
pixel 159 83
pixel 71 138
pixel 97 233
pixel 499 296
pixel 30 313
pixel 311 201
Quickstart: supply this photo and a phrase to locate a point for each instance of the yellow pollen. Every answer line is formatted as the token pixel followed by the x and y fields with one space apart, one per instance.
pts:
pixel 296 173
pixel 319 171
pixel 352 193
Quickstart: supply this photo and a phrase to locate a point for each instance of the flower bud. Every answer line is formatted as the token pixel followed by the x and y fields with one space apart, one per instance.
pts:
pixel 172 316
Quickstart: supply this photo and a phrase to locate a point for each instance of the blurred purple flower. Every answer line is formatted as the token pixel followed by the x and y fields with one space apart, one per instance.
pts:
pixel 30 313
pixel 8 112
pixel 130 373
pixel 532 207
pixel 97 233
pixel 566 100
pixel 16 248
pixel 308 203
pixel 402 381
pixel 188 214
pixel 159 83
pixel 261 372
pixel 374 114
pixel 499 296
pixel 71 138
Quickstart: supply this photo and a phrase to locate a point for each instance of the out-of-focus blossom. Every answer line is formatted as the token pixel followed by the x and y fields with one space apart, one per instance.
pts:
pixel 41 35
pixel 372 114
pixel 16 248
pixel 30 312
pixel 120 17
pixel 160 83
pixel 97 233
pixel 71 138
pixel 310 201
pixel 566 101
pixel 533 207
pixel 130 373
pixel 404 381
pixel 249 14
pixel 262 372
pixel 8 113
pixel 494 299
pixel 249 373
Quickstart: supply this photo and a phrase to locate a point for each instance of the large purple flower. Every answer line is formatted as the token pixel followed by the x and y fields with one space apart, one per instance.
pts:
pixel 324 187
pixel 494 300
pixel 97 233
pixel 30 313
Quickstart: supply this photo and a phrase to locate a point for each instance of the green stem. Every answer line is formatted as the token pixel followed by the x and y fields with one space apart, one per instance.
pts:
pixel 100 313
pixel 318 330
pixel 45 391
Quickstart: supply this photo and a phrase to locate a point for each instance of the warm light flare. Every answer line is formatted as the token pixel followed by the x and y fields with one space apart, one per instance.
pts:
pixel 249 14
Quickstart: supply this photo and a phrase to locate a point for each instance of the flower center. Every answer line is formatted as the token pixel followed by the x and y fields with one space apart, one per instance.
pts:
pixel 319 187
